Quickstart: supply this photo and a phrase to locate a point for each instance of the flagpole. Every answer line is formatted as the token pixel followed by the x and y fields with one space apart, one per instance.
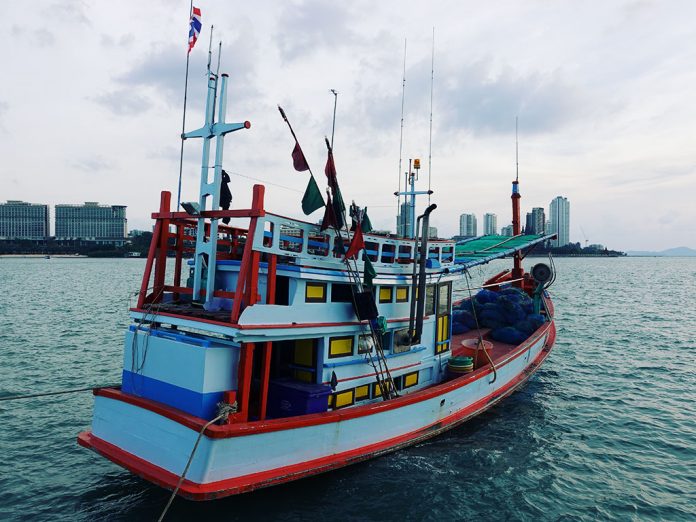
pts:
pixel 183 119
pixel 333 126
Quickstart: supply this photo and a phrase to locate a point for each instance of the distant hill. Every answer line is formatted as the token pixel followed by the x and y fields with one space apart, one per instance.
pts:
pixel 670 252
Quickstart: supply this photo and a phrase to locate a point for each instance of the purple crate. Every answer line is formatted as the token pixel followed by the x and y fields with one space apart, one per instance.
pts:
pixel 288 398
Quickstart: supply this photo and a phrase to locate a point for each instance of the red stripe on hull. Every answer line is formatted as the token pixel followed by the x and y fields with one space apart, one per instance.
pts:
pixel 254 481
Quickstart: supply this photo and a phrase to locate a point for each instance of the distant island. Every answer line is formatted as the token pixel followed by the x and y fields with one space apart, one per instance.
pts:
pixel 575 250
pixel 670 252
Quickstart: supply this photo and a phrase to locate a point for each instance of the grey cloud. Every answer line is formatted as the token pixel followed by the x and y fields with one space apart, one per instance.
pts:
pixel 74 11
pixel 482 103
pixel 4 106
pixel 93 164
pixel 108 41
pixel 123 102
pixel 315 23
pixel 44 37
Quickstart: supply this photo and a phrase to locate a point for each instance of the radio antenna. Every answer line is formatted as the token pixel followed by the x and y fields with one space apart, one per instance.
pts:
pixel 401 136
pixel 517 156
pixel 430 143
pixel 210 48
pixel 217 72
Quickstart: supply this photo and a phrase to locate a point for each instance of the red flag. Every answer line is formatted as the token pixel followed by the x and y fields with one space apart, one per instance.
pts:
pixel 357 243
pixel 298 158
pixel 330 169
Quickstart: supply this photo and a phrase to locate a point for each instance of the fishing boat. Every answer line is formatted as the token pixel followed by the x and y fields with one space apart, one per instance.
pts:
pixel 271 349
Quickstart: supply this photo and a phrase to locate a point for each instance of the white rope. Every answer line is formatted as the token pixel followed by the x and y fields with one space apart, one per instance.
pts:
pixel 225 410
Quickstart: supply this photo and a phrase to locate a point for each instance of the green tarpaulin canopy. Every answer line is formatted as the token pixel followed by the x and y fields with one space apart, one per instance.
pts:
pixel 481 250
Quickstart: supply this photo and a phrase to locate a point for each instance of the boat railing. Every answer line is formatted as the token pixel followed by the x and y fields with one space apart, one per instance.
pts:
pixel 174 237
pixel 270 236
pixel 292 238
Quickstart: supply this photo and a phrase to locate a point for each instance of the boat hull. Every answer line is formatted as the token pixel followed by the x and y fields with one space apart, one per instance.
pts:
pixel 235 459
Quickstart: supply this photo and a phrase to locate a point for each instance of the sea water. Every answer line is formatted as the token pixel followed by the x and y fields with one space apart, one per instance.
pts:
pixel 605 430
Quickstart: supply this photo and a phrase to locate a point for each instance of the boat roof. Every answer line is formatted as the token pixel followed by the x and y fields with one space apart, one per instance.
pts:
pixel 481 250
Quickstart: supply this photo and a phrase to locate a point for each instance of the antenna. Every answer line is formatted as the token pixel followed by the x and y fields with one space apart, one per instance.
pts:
pixel 210 47
pixel 430 143
pixel 333 125
pixel 517 157
pixel 401 136
pixel 217 72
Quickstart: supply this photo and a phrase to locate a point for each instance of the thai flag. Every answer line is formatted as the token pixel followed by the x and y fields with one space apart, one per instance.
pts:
pixel 195 28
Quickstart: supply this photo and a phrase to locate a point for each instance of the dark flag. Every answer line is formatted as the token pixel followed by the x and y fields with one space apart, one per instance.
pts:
pixel 370 273
pixel 329 219
pixel 298 159
pixel 357 243
pixel 312 199
pixel 225 195
pixel 330 171
pixel 365 223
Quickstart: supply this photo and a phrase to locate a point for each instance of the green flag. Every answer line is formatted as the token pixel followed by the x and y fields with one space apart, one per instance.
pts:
pixel 366 224
pixel 370 273
pixel 312 199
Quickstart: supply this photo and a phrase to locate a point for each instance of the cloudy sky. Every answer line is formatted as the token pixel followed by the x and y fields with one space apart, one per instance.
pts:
pixel 92 94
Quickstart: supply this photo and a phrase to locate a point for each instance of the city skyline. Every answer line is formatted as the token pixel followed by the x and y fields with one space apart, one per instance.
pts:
pixel 609 129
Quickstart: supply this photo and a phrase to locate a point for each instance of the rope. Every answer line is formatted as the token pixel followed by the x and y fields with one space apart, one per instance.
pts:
pixel 481 344
pixel 59 392
pixel 225 410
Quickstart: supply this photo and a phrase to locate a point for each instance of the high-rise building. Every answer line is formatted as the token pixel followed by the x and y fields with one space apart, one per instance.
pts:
pixel 536 221
pixel 506 231
pixel 467 225
pixel 403 221
pixel 490 224
pixel 559 221
pixel 103 224
pixel 20 220
pixel 432 232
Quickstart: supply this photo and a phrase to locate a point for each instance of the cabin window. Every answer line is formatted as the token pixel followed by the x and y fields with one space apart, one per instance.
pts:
pixel 385 294
pixel 402 294
pixel 362 392
pixel 444 299
pixel 388 252
pixel 365 344
pixel 318 245
pixel 304 360
pixel 315 292
pixel 402 341
pixel 268 234
pixel 404 253
pixel 410 379
pixel 340 247
pixel 341 293
pixel 447 254
pixel 434 252
pixel 342 399
pixel 430 300
pixel 398 382
pixel 341 346
pixel 377 389
pixel 291 238
pixel 371 250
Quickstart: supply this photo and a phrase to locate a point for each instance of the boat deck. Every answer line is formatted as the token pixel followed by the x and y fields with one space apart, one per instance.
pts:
pixel 497 351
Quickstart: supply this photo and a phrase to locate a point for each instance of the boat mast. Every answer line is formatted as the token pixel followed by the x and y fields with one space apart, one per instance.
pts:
pixel 517 270
pixel 206 250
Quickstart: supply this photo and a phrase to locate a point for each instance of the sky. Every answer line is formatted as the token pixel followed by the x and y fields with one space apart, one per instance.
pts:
pixel 605 92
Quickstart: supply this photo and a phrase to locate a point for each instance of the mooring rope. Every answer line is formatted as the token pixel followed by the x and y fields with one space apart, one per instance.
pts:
pixel 58 392
pixel 225 410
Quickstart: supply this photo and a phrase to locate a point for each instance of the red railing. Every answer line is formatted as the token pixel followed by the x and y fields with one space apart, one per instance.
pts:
pixel 236 242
